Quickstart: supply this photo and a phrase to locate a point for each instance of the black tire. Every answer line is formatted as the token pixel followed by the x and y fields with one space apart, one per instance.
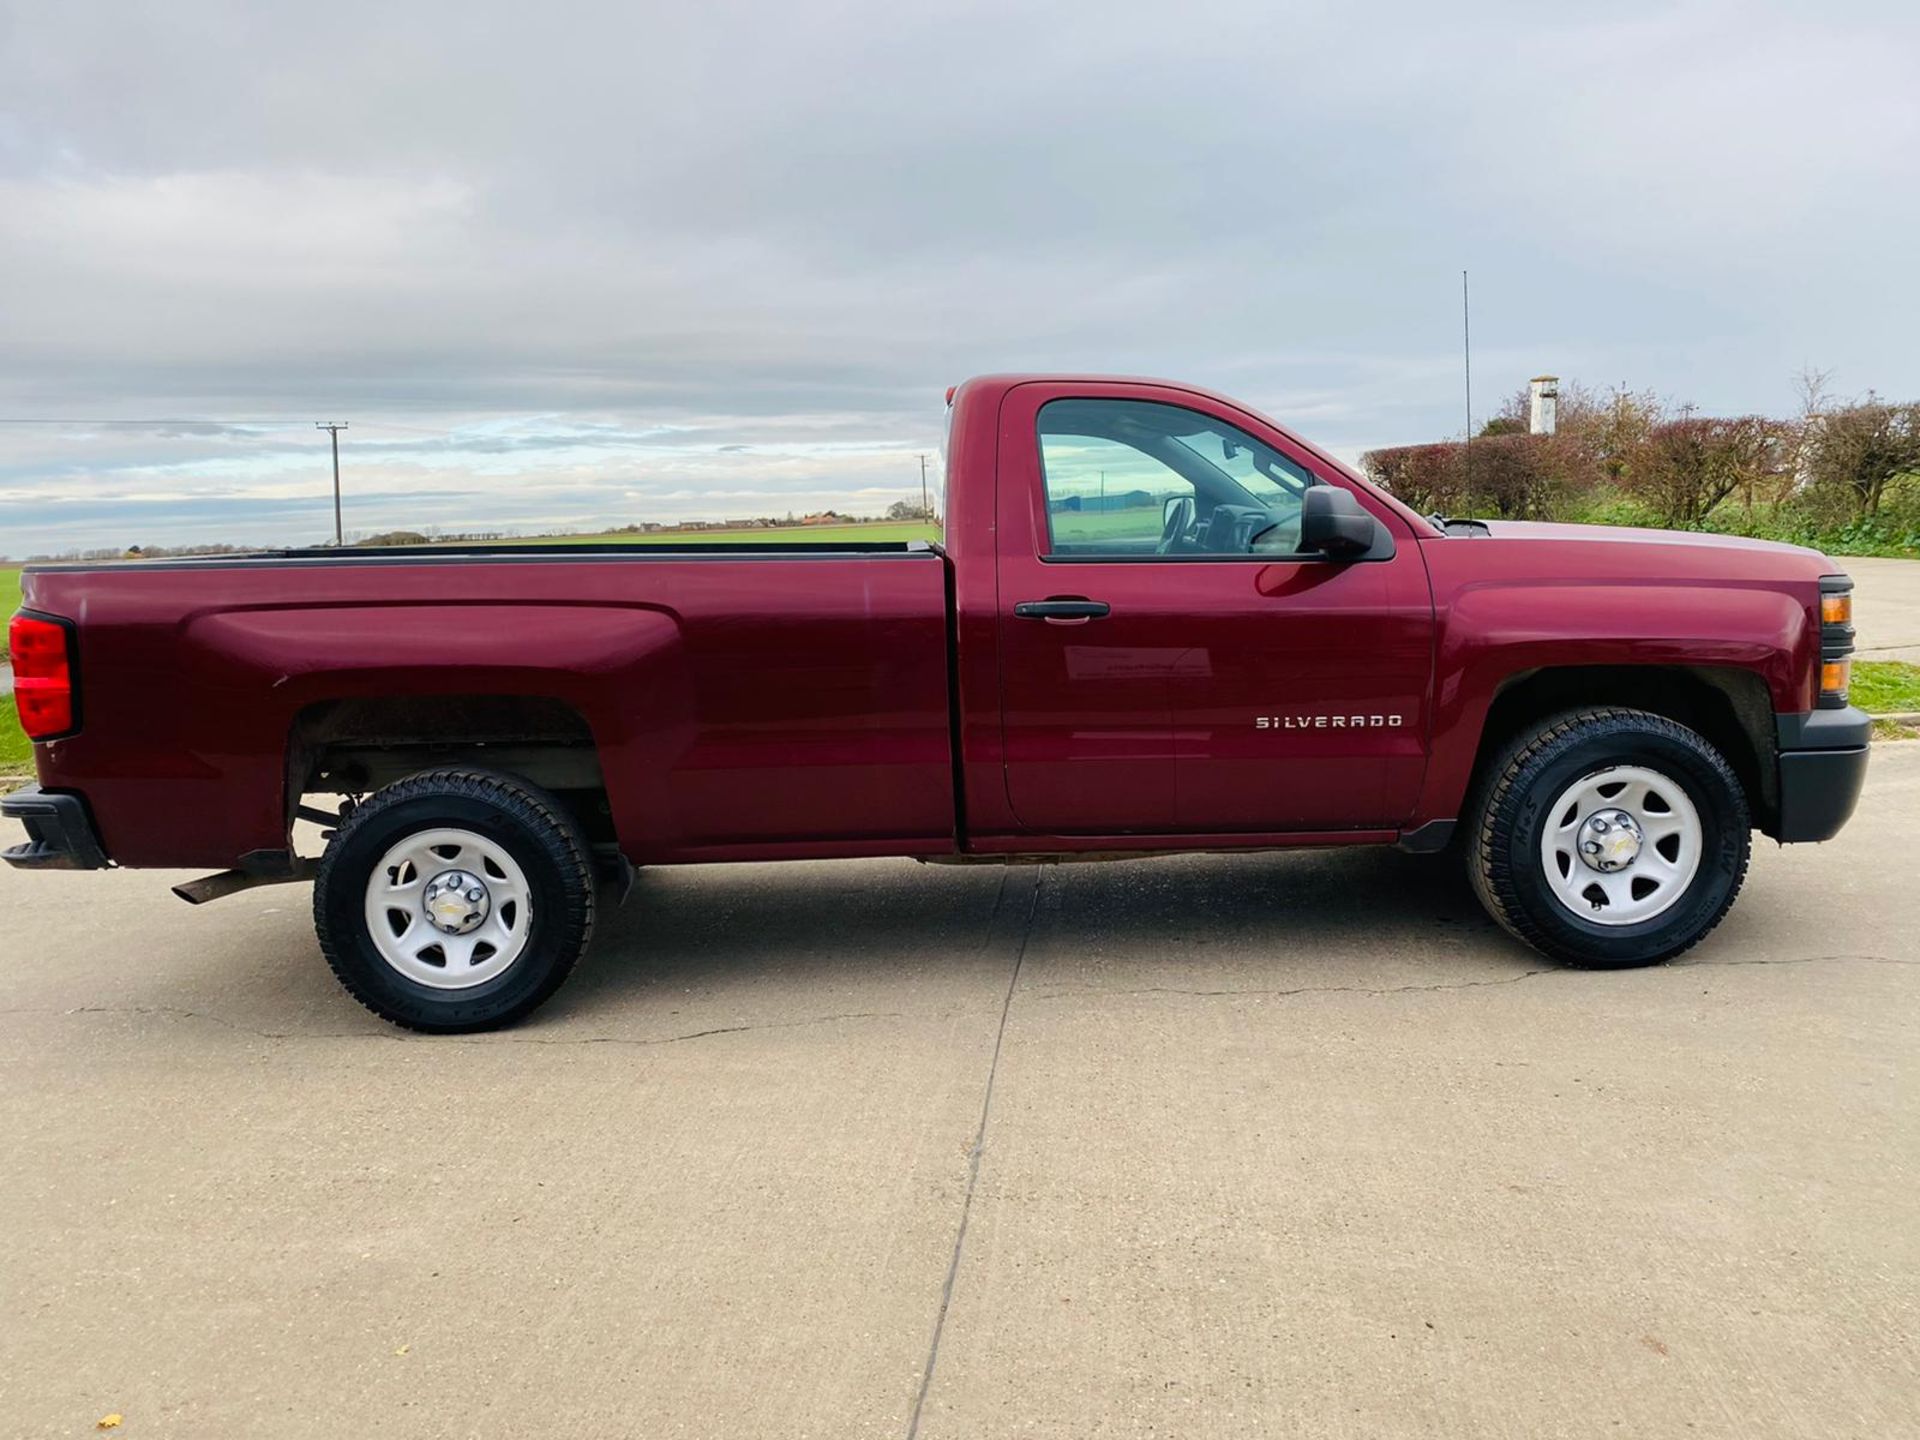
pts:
pixel 524 820
pixel 1531 773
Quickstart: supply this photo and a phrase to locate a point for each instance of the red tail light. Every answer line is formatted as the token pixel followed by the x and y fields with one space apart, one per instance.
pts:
pixel 42 675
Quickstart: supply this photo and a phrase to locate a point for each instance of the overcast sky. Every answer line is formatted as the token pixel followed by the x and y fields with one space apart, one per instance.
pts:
pixel 582 264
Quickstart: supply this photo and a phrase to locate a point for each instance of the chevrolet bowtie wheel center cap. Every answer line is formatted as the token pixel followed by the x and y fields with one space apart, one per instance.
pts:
pixel 456 902
pixel 1610 840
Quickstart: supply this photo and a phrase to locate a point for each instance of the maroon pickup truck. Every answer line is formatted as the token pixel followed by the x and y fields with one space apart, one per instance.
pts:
pixel 1158 622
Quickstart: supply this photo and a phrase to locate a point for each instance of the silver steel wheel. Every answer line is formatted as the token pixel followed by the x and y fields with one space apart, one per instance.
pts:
pixel 449 909
pixel 1621 845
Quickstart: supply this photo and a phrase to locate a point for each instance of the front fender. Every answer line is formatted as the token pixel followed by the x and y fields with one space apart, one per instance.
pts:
pixel 1492 634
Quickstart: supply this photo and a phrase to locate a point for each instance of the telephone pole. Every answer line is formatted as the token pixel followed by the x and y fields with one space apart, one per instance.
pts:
pixel 334 427
pixel 926 510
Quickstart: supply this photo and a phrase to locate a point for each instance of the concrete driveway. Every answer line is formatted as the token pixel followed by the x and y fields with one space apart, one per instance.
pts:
pixel 1291 1144
pixel 1886 607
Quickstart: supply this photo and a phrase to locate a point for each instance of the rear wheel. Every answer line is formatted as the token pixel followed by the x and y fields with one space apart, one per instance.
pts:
pixel 455 900
pixel 1609 838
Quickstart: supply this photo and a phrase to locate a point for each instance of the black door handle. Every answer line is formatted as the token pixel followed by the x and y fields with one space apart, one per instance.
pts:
pixel 1062 609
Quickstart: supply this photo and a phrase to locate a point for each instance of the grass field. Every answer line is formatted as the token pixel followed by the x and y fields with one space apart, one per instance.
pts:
pixel 16 754
pixel 1883 687
pixel 1086 527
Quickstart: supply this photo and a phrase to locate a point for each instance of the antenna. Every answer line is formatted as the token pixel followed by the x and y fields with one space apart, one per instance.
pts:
pixel 1466 355
pixel 334 427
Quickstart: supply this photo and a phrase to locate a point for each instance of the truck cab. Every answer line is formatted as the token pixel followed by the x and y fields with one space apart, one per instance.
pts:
pixel 1230 599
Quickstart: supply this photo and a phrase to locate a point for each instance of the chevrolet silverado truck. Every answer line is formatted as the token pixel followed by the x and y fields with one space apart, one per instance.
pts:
pixel 1157 622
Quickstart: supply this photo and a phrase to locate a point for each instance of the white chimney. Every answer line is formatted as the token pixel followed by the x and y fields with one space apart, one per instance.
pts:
pixel 1543 414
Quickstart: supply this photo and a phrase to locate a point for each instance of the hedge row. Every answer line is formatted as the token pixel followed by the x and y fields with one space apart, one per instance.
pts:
pixel 1849 466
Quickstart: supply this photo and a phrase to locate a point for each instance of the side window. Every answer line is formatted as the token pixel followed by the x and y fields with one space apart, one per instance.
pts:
pixel 1130 478
pixel 1104 497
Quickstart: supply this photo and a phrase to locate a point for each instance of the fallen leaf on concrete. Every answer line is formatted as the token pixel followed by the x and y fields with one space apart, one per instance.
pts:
pixel 109 1422
pixel 403 1349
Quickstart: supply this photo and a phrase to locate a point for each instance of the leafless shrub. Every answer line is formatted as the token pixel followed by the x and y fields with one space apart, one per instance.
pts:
pixel 1682 468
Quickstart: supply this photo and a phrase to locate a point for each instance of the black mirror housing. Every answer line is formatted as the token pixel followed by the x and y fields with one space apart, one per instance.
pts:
pixel 1335 524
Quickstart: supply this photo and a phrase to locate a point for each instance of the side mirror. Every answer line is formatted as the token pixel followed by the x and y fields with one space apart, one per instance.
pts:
pixel 1334 523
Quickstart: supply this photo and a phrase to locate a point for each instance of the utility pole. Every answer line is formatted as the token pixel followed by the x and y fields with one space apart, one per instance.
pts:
pixel 926 510
pixel 334 427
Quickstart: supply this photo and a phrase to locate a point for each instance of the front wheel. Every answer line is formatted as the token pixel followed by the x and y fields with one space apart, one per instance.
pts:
pixel 455 900
pixel 1609 838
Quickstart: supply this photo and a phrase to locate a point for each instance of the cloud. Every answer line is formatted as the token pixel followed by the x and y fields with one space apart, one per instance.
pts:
pixel 528 248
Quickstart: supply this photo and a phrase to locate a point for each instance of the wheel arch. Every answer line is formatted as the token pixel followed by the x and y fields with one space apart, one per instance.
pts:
pixel 1728 707
pixel 355 745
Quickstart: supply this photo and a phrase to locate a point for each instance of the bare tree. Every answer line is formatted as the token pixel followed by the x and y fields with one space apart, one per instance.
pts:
pixel 1860 449
pixel 1596 434
pixel 1513 477
pixel 1814 387
pixel 1685 467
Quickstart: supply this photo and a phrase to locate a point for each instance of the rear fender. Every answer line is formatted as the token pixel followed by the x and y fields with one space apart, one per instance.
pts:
pixel 622 668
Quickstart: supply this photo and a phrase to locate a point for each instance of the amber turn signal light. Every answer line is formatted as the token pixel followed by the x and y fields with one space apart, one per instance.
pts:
pixel 1834 676
pixel 1836 609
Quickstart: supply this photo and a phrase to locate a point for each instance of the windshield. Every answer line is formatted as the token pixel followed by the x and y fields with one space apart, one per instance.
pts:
pixel 1262 476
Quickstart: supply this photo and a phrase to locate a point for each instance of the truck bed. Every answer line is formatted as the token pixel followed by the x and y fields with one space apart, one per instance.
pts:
pixel 736 696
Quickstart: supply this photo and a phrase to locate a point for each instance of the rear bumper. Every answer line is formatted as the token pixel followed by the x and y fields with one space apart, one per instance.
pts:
pixel 60 833
pixel 1823 763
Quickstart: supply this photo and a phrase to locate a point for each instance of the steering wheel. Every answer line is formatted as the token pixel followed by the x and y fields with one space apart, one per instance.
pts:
pixel 1179 521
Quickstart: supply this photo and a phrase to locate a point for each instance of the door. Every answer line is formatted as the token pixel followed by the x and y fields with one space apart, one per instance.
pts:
pixel 1170 661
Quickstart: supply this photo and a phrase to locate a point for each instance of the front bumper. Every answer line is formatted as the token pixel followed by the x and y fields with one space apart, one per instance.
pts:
pixel 60 833
pixel 1823 763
